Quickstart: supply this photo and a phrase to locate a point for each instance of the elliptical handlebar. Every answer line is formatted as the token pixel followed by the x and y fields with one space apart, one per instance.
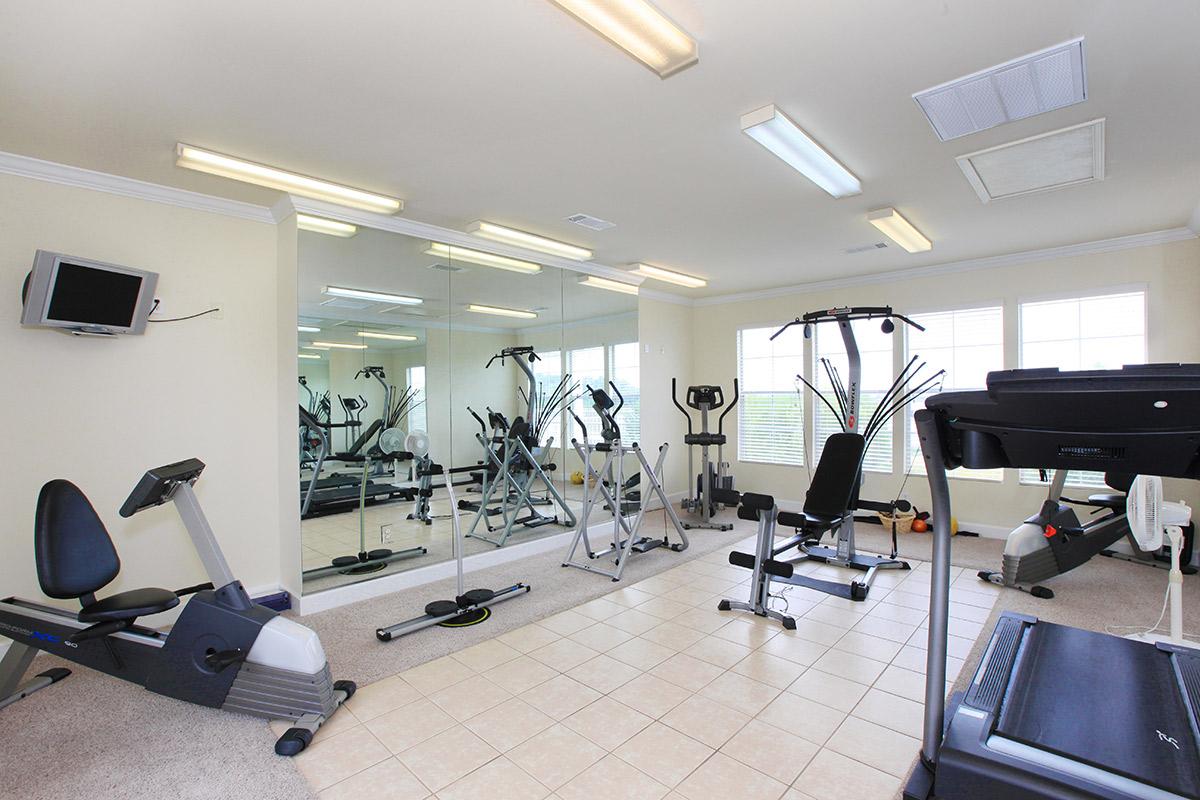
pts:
pixel 479 419
pixel 620 398
pixel 728 408
pixel 682 410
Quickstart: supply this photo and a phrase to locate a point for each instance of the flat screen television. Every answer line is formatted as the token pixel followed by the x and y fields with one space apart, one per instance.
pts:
pixel 85 296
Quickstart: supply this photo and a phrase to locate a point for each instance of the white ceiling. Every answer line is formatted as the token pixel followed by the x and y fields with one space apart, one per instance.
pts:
pixel 514 112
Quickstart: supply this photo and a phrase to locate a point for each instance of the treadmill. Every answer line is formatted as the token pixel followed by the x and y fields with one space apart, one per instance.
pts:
pixel 342 493
pixel 1055 712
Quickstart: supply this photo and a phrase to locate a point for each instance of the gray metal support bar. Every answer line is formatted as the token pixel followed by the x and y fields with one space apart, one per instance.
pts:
pixel 202 535
pixel 939 587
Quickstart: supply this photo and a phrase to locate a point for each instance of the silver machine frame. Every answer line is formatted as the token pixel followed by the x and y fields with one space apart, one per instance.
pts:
pixel 625 534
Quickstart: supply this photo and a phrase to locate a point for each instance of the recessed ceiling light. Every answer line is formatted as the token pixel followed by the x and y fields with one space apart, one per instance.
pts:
pixel 670 276
pixel 307 329
pixel 456 253
pixel 899 230
pixel 501 312
pixel 773 130
pixel 376 297
pixel 340 346
pixel 640 29
pixel 329 227
pixel 312 347
pixel 597 282
pixel 395 337
pixel 499 233
pixel 274 178
pixel 307 355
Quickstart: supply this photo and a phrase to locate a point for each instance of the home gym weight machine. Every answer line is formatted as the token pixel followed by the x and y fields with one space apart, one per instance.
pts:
pixel 1054 712
pixel 519 466
pixel 224 651
pixel 706 398
pixel 626 538
pixel 905 388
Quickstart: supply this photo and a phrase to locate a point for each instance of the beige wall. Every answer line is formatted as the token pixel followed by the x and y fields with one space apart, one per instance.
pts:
pixel 665 335
pixel 1170 274
pixel 100 412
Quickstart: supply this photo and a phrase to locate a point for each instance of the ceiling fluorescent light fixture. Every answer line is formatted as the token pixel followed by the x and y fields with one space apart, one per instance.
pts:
pixel 899 230
pixel 597 282
pixel 640 29
pixel 274 178
pixel 771 128
pixel 499 233
pixel 330 227
pixel 394 337
pixel 340 346
pixel 501 312
pixel 455 253
pixel 311 347
pixel 670 276
pixel 375 297
pixel 307 355
pixel 307 329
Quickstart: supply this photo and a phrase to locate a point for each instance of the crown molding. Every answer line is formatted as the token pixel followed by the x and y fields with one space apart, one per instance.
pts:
pixel 1046 254
pixel 78 177
pixel 436 233
pixel 667 297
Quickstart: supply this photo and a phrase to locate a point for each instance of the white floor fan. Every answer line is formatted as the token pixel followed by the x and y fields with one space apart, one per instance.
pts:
pixel 1150 517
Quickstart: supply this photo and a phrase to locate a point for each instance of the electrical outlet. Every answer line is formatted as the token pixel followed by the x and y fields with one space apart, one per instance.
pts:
pixel 385 533
pixel 647 349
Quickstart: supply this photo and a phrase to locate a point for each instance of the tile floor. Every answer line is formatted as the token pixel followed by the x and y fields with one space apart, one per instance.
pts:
pixel 650 692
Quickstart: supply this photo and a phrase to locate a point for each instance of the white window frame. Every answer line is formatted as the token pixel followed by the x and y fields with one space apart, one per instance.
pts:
pixel 986 476
pixel 801 400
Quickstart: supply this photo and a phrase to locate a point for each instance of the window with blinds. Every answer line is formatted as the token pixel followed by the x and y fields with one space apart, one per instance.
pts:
pixel 967 344
pixel 875 348
pixel 1098 332
pixel 770 411
pixel 623 370
pixel 586 366
pixel 417 420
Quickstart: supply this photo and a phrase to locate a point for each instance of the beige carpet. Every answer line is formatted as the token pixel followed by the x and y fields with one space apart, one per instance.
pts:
pixel 95 736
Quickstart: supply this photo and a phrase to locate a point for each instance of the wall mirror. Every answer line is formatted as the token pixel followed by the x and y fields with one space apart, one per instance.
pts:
pixel 410 349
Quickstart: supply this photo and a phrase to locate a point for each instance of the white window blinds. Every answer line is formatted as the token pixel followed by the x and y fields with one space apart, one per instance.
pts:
pixel 770 411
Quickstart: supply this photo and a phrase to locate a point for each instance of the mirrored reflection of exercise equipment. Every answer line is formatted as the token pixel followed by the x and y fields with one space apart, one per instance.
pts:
pixel 706 398
pixel 606 485
pixel 845 406
pixel 468 607
pixel 521 483
pixel 389 448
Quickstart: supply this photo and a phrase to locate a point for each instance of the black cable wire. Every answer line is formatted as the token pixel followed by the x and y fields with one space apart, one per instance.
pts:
pixel 181 319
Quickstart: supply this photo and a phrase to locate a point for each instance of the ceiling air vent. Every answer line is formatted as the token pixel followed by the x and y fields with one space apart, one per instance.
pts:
pixel 1054 160
pixel 1029 85
pixel 590 222
pixel 866 247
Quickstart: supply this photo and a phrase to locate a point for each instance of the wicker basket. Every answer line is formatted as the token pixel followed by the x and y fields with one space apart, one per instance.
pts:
pixel 904 521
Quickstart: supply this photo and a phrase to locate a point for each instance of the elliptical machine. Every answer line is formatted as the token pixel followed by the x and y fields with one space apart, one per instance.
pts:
pixel 607 487
pixel 706 398
pixel 224 651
